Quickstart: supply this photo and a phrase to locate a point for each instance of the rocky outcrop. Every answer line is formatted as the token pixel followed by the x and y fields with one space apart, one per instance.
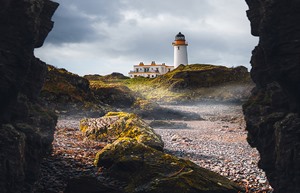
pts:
pixel 115 125
pixel 70 94
pixel 135 161
pixel 141 168
pixel 64 87
pixel 272 112
pixel 26 127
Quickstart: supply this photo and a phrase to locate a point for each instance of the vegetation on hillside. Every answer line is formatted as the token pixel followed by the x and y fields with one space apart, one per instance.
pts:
pixel 61 85
pixel 68 93
pixel 64 90
pixel 195 82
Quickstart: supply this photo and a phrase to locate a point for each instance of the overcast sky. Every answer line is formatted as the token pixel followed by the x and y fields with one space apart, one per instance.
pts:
pixel 105 36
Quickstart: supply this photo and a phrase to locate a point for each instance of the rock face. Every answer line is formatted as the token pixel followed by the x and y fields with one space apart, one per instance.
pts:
pixel 272 112
pixel 26 128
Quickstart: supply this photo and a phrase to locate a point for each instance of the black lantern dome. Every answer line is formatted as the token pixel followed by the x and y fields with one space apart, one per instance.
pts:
pixel 179 36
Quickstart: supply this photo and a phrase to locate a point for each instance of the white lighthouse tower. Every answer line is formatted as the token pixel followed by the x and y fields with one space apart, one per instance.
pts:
pixel 180 50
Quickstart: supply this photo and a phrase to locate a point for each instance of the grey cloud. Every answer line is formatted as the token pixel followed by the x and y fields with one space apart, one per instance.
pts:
pixel 178 8
pixel 69 27
pixel 105 10
pixel 72 26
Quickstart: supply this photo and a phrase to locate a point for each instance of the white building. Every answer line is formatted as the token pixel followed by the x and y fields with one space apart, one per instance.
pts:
pixel 151 70
pixel 180 50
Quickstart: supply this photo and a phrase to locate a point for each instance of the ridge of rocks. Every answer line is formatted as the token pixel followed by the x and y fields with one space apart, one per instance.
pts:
pixel 272 112
pixel 26 126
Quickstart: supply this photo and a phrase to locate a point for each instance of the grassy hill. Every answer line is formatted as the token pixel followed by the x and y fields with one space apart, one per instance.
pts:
pixel 195 82
pixel 64 90
pixel 202 75
pixel 69 94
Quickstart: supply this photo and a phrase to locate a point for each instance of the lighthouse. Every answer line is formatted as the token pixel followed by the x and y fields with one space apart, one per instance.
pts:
pixel 180 50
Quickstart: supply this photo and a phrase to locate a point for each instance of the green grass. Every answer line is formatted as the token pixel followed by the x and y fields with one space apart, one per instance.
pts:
pixel 158 89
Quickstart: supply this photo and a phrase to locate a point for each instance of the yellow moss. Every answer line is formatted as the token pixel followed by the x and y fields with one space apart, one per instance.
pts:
pixel 120 114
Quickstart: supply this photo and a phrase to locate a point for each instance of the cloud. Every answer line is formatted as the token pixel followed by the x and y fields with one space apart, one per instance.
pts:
pixel 75 20
pixel 100 36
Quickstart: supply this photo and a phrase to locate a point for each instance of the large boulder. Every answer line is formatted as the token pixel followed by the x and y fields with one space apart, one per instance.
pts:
pixel 115 125
pixel 26 127
pixel 272 112
pixel 144 169
pixel 135 160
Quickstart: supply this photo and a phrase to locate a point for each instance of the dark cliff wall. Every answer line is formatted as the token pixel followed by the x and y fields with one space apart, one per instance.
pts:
pixel 26 128
pixel 272 112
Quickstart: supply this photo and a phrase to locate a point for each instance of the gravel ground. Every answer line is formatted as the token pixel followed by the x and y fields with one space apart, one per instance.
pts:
pixel 218 142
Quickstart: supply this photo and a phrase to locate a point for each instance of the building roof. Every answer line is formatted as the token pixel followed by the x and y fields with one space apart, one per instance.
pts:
pixel 132 72
pixel 152 65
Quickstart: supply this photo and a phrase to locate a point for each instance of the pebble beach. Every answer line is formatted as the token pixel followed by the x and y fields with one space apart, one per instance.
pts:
pixel 216 142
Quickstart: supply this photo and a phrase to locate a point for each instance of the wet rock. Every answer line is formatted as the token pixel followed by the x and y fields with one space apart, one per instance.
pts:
pixel 272 112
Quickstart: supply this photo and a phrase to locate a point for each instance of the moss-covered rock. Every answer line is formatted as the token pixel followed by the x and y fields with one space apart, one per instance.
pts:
pixel 120 124
pixel 62 86
pixel 70 94
pixel 144 169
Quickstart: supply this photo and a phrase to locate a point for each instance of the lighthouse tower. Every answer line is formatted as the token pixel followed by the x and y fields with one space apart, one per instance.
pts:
pixel 180 50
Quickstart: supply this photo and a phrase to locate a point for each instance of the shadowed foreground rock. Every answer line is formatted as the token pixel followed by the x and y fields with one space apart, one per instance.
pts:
pixel 135 160
pixel 144 169
pixel 272 112
pixel 26 127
